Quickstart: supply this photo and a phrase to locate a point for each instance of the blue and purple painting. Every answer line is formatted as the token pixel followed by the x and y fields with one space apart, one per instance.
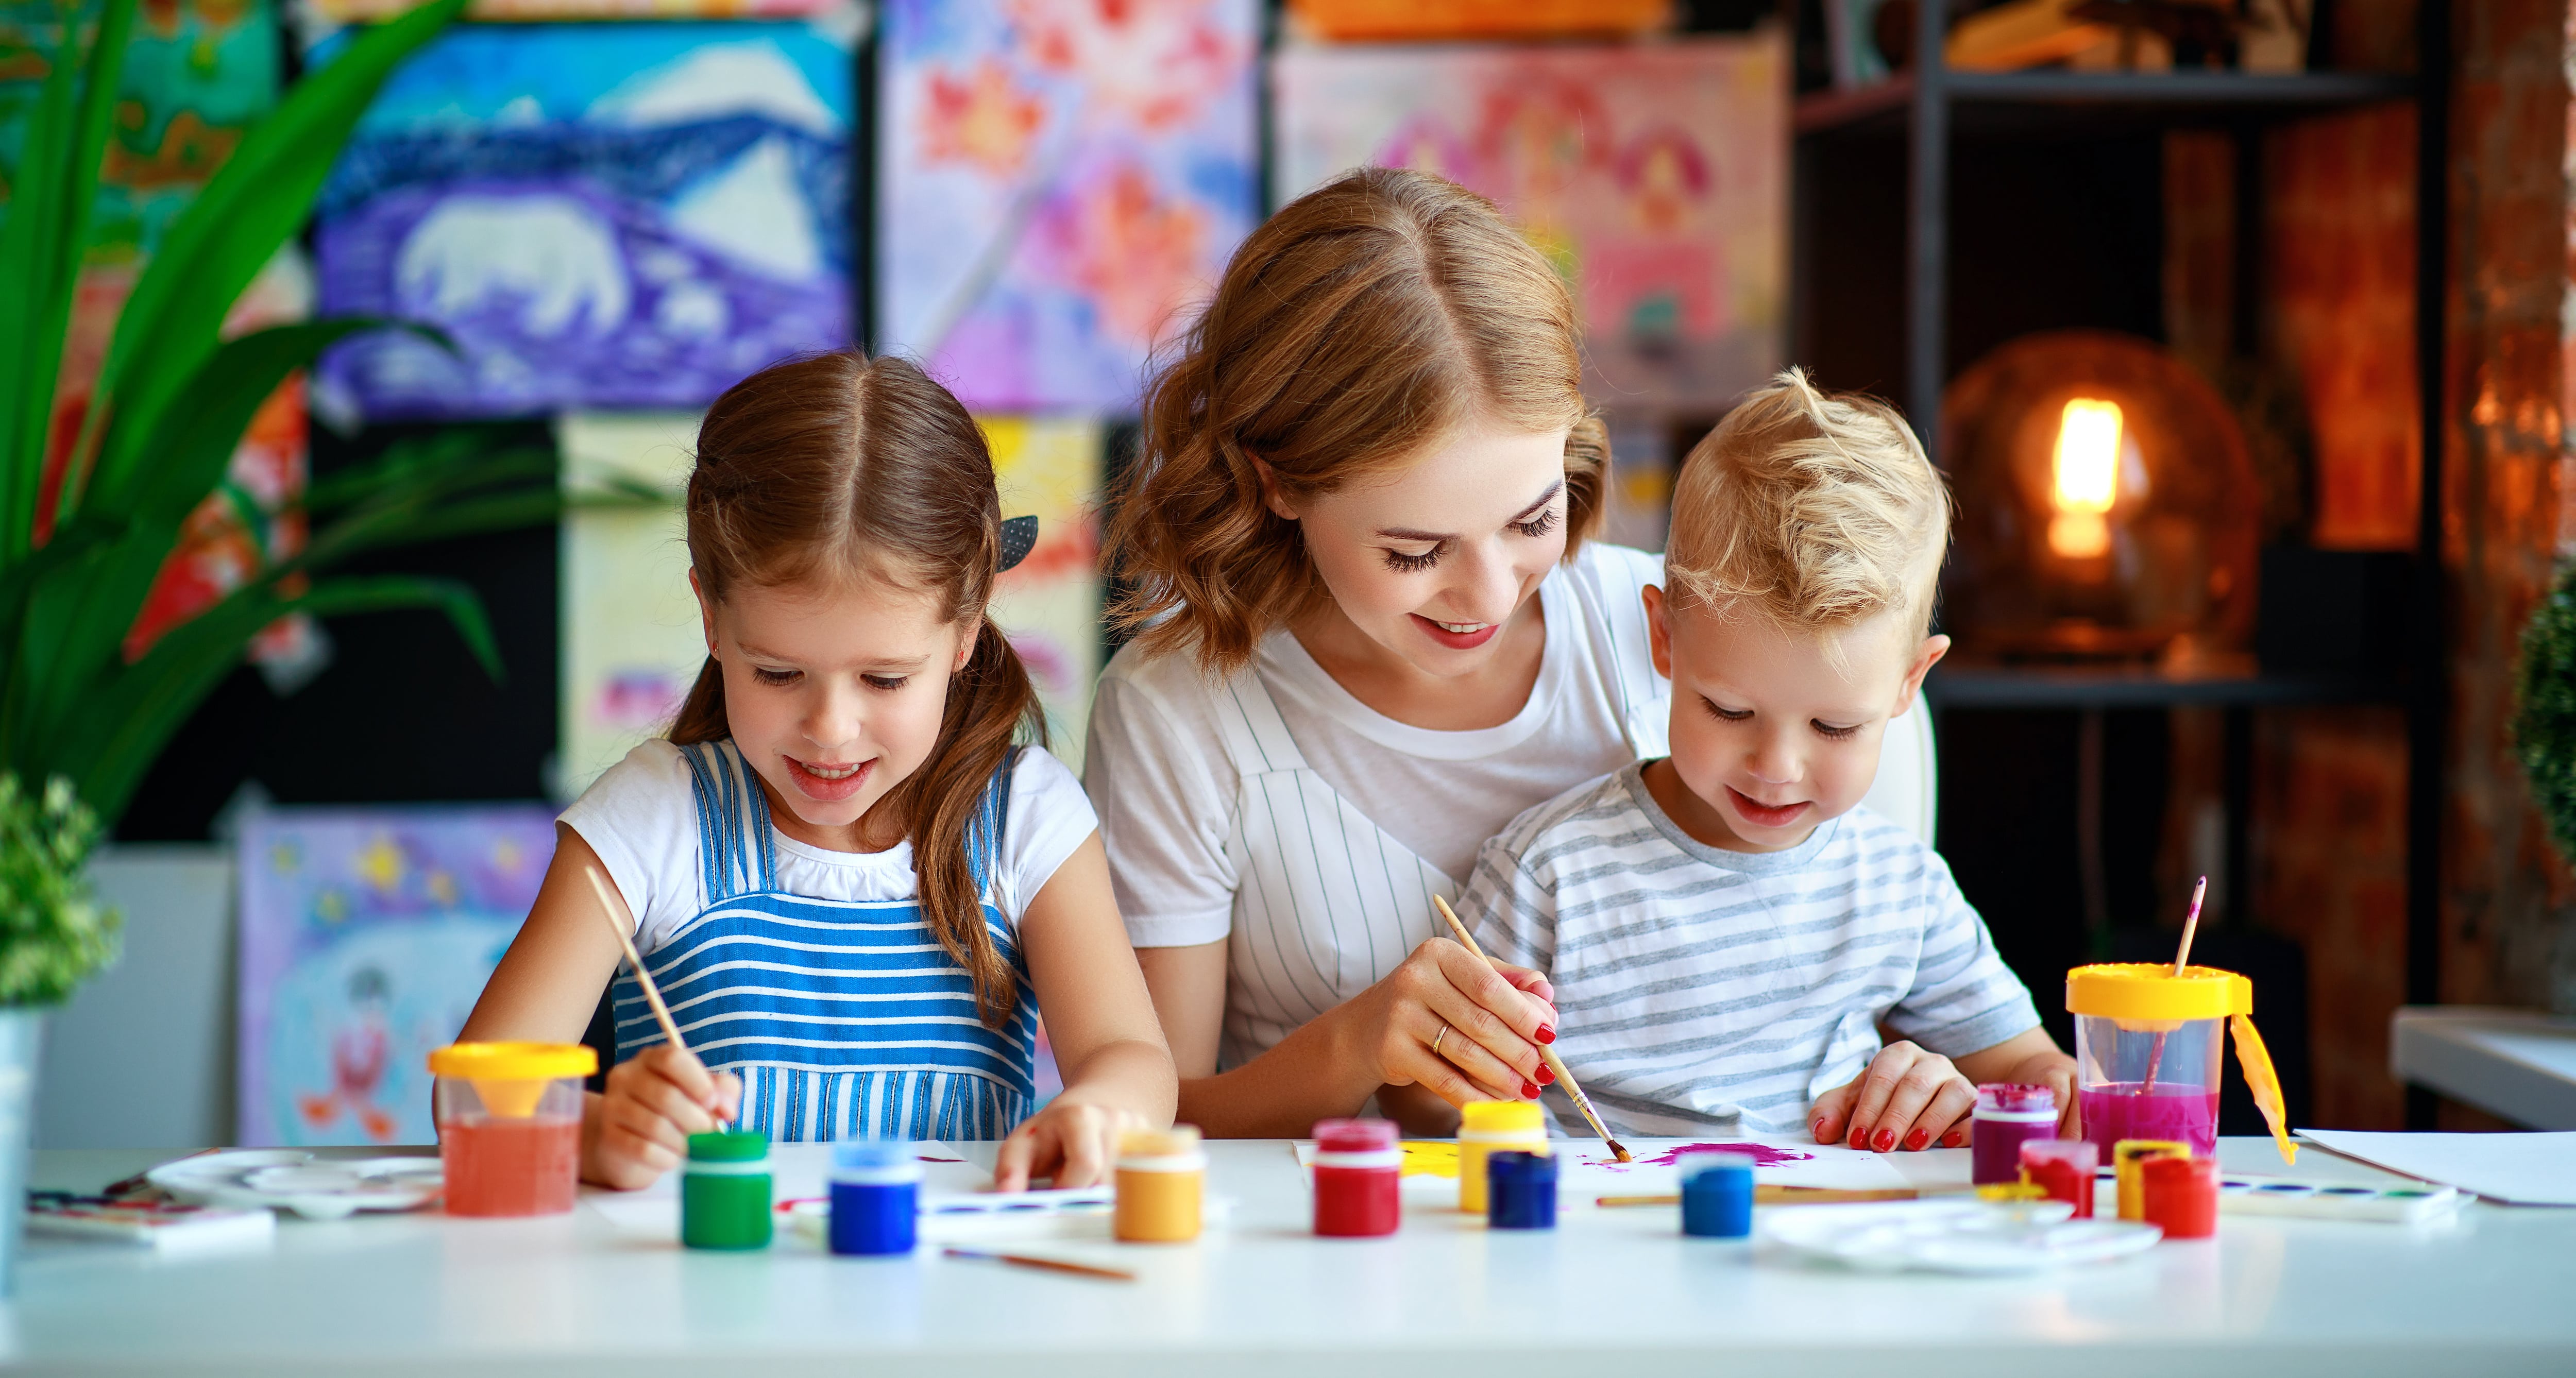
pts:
pixel 596 215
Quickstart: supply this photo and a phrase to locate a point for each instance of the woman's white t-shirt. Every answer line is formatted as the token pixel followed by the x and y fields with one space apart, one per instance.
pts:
pixel 641 818
pixel 1157 766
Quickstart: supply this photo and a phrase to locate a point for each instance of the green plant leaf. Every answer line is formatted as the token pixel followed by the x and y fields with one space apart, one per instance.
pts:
pixel 254 203
pixel 138 711
pixel 41 247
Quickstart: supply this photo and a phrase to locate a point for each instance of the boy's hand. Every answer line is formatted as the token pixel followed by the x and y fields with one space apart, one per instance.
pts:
pixel 655 1100
pixel 1073 1141
pixel 1906 1098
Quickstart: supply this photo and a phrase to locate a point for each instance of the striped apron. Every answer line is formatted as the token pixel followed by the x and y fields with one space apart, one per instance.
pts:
pixel 844 1019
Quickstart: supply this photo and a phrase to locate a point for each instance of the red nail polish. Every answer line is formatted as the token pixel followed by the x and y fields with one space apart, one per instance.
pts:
pixel 1886 1140
pixel 1547 1033
pixel 1546 1077
pixel 1917 1139
pixel 1819 1131
pixel 1859 1137
pixel 1529 1090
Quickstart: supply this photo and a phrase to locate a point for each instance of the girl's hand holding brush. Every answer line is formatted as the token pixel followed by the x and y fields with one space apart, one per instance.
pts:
pixel 656 1099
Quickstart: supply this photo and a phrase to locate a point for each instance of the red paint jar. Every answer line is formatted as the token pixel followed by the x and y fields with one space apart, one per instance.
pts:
pixel 2181 1195
pixel 2064 1169
pixel 1357 1169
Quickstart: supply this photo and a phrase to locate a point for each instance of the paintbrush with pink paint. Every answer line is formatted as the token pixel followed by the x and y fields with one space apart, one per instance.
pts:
pixel 1546 1054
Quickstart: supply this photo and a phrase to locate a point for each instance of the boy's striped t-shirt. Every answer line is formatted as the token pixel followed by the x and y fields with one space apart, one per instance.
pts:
pixel 1694 983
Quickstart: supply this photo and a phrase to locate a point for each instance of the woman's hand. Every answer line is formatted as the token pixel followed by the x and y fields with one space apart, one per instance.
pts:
pixel 1448 1022
pixel 640 1129
pixel 1907 1097
pixel 1073 1141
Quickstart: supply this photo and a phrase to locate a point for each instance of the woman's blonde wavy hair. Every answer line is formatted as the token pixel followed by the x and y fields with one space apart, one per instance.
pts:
pixel 1815 510
pixel 1351 332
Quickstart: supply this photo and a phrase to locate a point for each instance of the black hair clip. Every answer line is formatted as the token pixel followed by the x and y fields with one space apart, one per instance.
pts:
pixel 1019 537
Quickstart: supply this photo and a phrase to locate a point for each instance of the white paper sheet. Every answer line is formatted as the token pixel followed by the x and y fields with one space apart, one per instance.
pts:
pixel 1586 1170
pixel 2523 1169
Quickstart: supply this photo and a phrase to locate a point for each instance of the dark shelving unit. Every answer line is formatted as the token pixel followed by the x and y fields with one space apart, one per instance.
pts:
pixel 1930 112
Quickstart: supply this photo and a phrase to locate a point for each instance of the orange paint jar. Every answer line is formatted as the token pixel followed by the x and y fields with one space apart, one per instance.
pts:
pixel 1162 1183
pixel 509 1125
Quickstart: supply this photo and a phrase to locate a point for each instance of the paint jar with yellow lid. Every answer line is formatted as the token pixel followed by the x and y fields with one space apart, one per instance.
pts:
pixel 2147 1044
pixel 509 1125
pixel 1162 1185
pixel 1486 1127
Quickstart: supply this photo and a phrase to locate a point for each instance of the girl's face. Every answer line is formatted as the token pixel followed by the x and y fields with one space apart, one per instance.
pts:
pixel 1433 559
pixel 834 693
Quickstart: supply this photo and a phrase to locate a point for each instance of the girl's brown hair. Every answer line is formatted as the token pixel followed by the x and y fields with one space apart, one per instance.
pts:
pixel 840 468
pixel 1351 331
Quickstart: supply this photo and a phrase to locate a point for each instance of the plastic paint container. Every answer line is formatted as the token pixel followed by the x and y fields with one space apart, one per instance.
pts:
pixel 1485 1127
pixel 876 1196
pixel 1162 1180
pixel 1717 1194
pixel 509 1125
pixel 2147 1044
pixel 1521 1188
pixel 2126 1156
pixel 1357 1179
pixel 2180 1194
pixel 724 1191
pixel 2007 1117
pixel 2063 1168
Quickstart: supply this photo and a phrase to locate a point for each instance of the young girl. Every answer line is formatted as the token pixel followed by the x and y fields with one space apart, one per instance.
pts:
pixel 850 885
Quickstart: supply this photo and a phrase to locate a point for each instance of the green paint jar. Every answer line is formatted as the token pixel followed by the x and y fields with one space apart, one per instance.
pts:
pixel 724 1191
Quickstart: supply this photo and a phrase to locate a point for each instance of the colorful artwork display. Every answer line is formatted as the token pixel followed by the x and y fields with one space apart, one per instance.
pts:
pixel 369 11
pixel 599 215
pixel 1655 176
pixel 1050 602
pixel 1062 181
pixel 197 74
pixel 630 634
pixel 366 935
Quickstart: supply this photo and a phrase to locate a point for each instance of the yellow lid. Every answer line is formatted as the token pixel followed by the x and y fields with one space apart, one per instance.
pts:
pixel 1159 1143
pixel 513 1061
pixel 1500 1117
pixel 2150 990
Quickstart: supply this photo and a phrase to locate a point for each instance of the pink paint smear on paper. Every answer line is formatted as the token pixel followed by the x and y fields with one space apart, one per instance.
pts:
pixel 1763 1155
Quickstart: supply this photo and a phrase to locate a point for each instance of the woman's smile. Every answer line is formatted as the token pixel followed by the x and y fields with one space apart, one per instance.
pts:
pixel 1458 636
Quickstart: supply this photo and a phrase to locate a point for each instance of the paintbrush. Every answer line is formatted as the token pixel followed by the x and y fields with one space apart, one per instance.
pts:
pixel 634 959
pixel 1052 1265
pixel 1546 1054
pixel 2182 959
pixel 1768 1194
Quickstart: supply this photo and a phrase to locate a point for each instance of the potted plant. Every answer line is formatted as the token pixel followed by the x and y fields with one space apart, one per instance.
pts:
pixel 53 935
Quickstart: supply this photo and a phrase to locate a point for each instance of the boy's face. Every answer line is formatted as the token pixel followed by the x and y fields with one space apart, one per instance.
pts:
pixel 1771 736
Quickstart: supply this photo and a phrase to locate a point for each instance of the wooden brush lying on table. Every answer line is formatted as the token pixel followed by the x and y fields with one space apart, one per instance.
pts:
pixel 1546 1054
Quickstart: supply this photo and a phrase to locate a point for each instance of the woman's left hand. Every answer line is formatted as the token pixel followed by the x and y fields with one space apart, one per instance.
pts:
pixel 1907 1098
pixel 1073 1141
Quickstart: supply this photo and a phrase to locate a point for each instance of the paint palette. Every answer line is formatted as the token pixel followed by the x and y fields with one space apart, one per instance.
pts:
pixel 288 1179
pixel 1951 1236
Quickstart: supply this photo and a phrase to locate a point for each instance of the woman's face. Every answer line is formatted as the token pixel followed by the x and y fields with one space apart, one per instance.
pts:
pixel 1432 559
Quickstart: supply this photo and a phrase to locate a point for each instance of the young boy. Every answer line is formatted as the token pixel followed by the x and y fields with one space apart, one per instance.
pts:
pixel 1725 929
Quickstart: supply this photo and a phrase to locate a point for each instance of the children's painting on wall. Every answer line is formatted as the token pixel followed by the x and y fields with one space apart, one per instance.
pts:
pixel 366 935
pixel 1655 177
pixel 631 638
pixel 1049 603
pixel 599 215
pixel 1062 183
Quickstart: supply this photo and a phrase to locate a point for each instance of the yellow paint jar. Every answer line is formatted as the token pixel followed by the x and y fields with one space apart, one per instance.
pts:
pixel 1486 1127
pixel 2126 1155
pixel 1162 1180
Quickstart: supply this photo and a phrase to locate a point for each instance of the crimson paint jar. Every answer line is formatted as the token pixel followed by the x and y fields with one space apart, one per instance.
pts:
pixel 2007 1117
pixel 1357 1170
pixel 2181 1195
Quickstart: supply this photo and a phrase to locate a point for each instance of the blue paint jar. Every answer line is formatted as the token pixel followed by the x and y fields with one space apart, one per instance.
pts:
pixel 1520 1191
pixel 1717 1194
pixel 876 1196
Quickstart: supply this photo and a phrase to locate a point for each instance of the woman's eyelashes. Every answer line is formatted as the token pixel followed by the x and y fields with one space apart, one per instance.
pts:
pixel 1402 563
pixel 1537 526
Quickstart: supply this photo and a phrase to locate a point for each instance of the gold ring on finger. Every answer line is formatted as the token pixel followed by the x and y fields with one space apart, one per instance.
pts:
pixel 1435 1039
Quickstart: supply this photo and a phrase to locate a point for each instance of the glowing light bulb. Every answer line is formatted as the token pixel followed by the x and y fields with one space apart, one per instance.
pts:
pixel 2085 473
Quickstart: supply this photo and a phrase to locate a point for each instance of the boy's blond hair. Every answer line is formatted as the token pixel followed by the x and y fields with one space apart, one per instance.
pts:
pixel 1815 510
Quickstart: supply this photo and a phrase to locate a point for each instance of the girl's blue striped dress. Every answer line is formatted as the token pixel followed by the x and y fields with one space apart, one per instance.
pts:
pixel 845 1020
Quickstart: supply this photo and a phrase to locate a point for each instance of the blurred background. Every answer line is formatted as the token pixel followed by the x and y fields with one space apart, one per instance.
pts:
pixel 2170 286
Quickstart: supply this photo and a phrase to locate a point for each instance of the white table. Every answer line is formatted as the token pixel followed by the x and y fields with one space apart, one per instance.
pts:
pixel 1611 1292
pixel 2520 1064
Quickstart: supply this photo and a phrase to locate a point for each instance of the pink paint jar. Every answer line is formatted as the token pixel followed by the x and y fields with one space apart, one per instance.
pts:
pixel 2007 1117
pixel 1357 1179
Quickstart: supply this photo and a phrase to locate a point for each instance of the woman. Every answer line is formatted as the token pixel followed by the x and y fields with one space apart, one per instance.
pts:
pixel 1369 631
